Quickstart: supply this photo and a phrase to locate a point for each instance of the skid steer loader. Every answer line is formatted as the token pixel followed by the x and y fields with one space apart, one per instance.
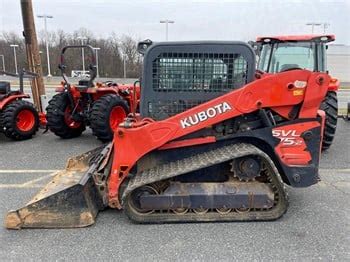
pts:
pixel 210 144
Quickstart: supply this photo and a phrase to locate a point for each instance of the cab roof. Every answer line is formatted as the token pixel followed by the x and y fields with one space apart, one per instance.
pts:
pixel 296 38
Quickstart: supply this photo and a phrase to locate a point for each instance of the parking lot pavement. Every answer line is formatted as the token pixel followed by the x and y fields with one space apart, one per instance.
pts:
pixel 316 226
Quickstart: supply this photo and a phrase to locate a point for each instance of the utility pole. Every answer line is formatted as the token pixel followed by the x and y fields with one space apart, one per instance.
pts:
pixel 96 52
pixel 325 26
pixel 15 56
pixel 82 38
pixel 32 51
pixel 47 42
pixel 3 63
pixel 313 24
pixel 166 22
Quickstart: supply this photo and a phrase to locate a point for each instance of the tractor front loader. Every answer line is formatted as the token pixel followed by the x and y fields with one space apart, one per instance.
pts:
pixel 210 144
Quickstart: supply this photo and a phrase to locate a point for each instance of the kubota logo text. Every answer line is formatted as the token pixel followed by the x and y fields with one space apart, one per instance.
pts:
pixel 204 115
pixel 288 137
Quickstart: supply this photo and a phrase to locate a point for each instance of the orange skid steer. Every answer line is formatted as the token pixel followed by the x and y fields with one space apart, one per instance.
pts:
pixel 210 144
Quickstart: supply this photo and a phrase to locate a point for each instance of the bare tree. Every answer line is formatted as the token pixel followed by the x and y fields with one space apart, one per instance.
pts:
pixel 9 38
pixel 128 47
pixel 110 54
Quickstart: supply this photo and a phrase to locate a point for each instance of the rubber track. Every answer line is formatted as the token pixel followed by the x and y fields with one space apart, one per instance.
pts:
pixel 196 162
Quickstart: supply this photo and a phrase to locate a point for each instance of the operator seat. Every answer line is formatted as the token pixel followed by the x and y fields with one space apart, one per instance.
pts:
pixel 5 89
pixel 83 85
pixel 287 67
pixel 216 84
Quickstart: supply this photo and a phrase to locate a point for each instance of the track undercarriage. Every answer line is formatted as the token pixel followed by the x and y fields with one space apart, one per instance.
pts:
pixel 168 194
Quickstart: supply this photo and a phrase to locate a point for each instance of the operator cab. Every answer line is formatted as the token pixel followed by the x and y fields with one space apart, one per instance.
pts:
pixel 180 75
pixel 280 54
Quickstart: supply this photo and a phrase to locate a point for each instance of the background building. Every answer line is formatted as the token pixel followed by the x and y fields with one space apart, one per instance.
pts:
pixel 338 57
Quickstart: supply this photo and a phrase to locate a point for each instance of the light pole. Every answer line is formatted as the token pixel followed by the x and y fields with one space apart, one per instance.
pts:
pixel 124 64
pixel 313 24
pixel 82 38
pixel 96 52
pixel 166 22
pixel 47 43
pixel 14 54
pixel 325 26
pixel 3 63
pixel 40 54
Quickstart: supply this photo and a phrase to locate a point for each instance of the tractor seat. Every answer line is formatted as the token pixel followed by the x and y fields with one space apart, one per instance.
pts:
pixel 81 88
pixel 5 87
pixel 287 67
pixel 82 85
pixel 216 84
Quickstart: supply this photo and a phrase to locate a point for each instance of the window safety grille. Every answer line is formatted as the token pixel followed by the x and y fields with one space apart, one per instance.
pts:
pixel 163 109
pixel 191 72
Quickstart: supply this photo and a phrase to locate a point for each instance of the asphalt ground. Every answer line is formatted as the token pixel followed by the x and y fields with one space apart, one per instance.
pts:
pixel 316 226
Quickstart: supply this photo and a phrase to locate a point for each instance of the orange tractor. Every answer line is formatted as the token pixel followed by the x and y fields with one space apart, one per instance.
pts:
pixel 285 53
pixel 19 118
pixel 101 106
pixel 211 143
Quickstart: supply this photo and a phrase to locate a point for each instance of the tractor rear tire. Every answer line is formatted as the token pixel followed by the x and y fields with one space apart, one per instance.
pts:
pixel 330 107
pixel 58 118
pixel 19 120
pixel 106 114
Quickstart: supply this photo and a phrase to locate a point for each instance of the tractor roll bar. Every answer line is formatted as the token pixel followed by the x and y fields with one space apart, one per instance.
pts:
pixel 22 74
pixel 92 65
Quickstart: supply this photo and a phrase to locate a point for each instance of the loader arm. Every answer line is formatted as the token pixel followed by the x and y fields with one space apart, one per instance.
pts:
pixel 286 89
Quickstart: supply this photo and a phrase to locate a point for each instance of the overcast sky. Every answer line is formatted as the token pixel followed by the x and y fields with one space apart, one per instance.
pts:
pixel 210 20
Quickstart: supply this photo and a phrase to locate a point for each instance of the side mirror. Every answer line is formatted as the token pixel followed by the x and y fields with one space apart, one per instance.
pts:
pixel 257 47
pixel 143 46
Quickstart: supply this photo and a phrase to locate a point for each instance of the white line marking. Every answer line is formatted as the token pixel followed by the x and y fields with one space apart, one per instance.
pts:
pixel 32 182
pixel 339 170
pixel 29 184
pixel 19 186
pixel 32 171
